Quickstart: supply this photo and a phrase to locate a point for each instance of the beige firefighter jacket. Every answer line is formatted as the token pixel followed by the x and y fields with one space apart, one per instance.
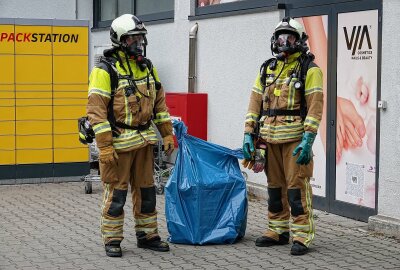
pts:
pixel 279 95
pixel 144 105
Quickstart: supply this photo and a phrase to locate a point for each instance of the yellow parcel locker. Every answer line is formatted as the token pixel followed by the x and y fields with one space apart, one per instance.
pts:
pixel 34 127
pixel 70 40
pixel 69 112
pixel 7 157
pixel 33 92
pixel 34 113
pixel 33 69
pixel 7 39
pixel 34 142
pixel 7 113
pixel 34 156
pixel 70 70
pixel 7 142
pixel 33 39
pixel 71 101
pixel 67 141
pixel 34 102
pixel 71 90
pixel 7 91
pixel 7 128
pixel 7 102
pixel 66 127
pixel 71 155
pixel 7 68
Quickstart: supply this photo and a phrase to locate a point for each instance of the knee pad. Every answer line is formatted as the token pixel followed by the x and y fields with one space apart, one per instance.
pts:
pixel 148 200
pixel 117 204
pixel 296 206
pixel 275 200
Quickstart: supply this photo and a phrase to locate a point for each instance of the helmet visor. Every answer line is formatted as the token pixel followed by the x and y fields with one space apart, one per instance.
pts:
pixel 286 39
pixel 138 40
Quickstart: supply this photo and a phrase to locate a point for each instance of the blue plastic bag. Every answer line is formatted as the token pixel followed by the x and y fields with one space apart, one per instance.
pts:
pixel 205 198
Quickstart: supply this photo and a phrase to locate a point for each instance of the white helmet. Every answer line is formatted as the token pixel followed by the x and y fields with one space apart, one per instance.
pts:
pixel 289 26
pixel 124 25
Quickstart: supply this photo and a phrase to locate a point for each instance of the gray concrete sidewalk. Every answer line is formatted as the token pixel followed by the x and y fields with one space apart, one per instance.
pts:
pixel 56 226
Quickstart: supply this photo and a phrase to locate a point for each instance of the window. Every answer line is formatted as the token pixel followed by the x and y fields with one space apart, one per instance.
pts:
pixel 216 8
pixel 105 11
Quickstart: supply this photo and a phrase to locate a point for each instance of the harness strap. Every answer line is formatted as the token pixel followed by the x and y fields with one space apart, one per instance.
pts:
pixel 276 112
pixel 139 127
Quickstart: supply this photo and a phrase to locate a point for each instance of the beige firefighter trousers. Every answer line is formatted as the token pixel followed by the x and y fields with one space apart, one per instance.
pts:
pixel 290 194
pixel 134 168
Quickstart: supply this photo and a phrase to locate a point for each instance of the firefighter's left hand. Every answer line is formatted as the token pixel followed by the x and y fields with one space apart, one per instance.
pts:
pixel 305 146
pixel 168 144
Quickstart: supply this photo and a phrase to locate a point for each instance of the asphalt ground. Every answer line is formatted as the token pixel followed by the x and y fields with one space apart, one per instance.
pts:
pixel 56 226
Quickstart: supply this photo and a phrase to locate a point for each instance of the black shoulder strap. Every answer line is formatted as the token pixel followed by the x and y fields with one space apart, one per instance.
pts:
pixel 112 70
pixel 110 63
pixel 271 63
pixel 149 65
pixel 306 64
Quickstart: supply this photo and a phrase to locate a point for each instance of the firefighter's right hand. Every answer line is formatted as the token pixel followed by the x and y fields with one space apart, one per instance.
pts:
pixel 107 155
pixel 248 147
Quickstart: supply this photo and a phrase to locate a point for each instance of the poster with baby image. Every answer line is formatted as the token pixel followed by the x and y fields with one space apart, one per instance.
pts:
pixel 357 72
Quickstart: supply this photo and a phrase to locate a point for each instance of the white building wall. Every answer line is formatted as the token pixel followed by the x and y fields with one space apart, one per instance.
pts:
pixel 38 9
pixel 389 162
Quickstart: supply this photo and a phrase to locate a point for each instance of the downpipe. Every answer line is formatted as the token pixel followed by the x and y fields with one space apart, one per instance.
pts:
pixel 192 58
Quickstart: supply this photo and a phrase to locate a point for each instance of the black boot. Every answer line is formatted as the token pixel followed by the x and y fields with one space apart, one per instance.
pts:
pixel 154 243
pixel 265 241
pixel 298 249
pixel 113 249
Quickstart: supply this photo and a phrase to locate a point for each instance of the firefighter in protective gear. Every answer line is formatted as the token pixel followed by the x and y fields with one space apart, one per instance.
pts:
pixel 291 110
pixel 122 121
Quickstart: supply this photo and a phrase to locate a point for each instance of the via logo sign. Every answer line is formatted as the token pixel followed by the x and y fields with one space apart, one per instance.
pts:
pixel 355 40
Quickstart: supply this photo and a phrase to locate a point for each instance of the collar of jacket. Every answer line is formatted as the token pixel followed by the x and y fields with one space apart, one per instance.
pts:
pixel 293 57
pixel 123 59
pixel 137 73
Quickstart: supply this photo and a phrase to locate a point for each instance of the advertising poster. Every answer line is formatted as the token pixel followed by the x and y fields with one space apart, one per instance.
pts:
pixel 316 28
pixel 356 107
pixel 202 3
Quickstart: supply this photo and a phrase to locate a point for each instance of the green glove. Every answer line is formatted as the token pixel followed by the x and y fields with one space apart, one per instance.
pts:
pixel 305 146
pixel 248 146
